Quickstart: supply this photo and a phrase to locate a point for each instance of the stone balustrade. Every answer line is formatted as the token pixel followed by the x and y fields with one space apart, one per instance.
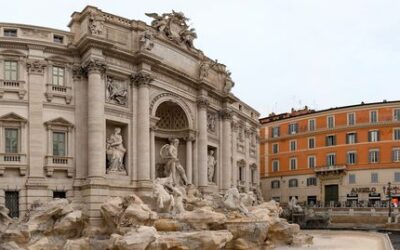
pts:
pixel 59 163
pixel 13 160
pixel 58 91
pixel 12 86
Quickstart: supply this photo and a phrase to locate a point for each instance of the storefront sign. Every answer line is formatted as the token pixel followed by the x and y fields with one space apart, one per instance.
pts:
pixel 363 190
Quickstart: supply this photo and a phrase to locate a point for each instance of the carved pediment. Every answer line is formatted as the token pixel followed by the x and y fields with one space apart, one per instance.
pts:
pixel 12 117
pixel 59 122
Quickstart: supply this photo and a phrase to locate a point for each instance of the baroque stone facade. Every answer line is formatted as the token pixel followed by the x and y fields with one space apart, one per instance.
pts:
pixel 85 113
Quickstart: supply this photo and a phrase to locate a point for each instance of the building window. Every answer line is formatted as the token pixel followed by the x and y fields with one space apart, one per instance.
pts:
pixel 396 114
pixel 397 176
pixel 311 181
pixel 293 128
pixel 275 165
pixel 373 136
pixel 373 156
pixel 10 70
pixel 396 155
pixel 330 121
pixel 241 174
pixel 293 183
pixel 58 39
pixel 10 32
pixel 59 195
pixel 253 172
pixel 275 148
pixel 58 76
pixel 351 158
pixel 373 116
pixel 275 132
pixel 11 140
pixel 12 203
pixel 293 163
pixel 293 145
pixel 351 138
pixel 352 179
pixel 330 140
pixel 275 184
pixel 311 142
pixel 374 178
pixel 396 134
pixel 331 160
pixel 59 144
pixel 311 125
pixel 311 161
pixel 351 119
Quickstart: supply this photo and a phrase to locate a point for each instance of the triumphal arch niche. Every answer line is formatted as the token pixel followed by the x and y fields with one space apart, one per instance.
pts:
pixel 104 100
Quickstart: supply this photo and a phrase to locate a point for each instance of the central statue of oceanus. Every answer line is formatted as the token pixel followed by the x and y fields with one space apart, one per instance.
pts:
pixel 169 154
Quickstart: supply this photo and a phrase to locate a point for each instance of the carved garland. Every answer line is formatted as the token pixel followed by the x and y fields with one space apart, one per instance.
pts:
pixel 36 67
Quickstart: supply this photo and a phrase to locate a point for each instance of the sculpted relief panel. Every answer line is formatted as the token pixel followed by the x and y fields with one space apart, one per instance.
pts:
pixel 116 91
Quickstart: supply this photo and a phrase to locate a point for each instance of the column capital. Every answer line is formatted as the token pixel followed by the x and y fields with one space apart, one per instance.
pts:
pixel 94 65
pixel 191 137
pixel 202 102
pixel 142 79
pixel 36 67
pixel 225 114
pixel 77 72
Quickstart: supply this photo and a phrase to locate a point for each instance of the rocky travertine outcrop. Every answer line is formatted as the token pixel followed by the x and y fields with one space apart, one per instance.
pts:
pixel 131 224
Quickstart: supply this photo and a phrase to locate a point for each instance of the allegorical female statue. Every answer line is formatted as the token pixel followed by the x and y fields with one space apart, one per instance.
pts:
pixel 115 153
pixel 211 162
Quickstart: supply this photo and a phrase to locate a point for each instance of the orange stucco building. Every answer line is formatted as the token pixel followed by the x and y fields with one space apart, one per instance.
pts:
pixel 336 155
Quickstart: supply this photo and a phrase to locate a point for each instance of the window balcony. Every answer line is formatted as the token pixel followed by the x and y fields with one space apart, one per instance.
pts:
pixel 59 163
pixel 12 86
pixel 58 91
pixel 13 161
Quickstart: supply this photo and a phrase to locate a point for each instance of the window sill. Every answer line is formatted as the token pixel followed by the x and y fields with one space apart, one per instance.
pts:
pixel 59 163
pixel 13 161
pixel 12 86
pixel 58 91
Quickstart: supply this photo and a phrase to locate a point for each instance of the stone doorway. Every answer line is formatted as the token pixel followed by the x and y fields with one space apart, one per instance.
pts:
pixel 331 194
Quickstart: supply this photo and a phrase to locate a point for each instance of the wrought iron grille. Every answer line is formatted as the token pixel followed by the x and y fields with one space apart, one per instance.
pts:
pixel 12 203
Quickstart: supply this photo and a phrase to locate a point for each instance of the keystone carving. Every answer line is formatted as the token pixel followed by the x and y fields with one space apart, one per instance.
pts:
pixel 36 67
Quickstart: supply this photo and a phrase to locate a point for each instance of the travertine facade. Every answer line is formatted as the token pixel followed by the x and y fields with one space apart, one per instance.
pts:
pixel 86 112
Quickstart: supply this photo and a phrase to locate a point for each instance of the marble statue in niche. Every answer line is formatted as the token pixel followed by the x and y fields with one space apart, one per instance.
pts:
pixel 211 163
pixel 211 122
pixel 169 153
pixel 116 92
pixel 115 152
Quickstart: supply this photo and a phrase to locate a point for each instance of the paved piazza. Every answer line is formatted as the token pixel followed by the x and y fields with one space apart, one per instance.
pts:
pixel 344 240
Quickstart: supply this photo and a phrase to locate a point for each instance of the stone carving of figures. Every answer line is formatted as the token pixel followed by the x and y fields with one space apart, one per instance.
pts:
pixel 188 36
pixel 293 205
pixel 211 122
pixel 232 201
pixel 96 24
pixel 211 162
pixel 164 201
pixel 115 153
pixel 205 67
pixel 115 92
pixel 169 152
pixel 159 22
pixel 146 41
pixel 248 199
pixel 258 194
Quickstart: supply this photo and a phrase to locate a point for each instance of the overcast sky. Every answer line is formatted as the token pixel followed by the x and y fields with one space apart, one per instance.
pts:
pixel 282 53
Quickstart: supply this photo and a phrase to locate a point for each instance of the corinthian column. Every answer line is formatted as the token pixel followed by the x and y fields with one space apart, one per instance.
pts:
pixel 142 81
pixel 96 123
pixel 202 142
pixel 226 117
pixel 234 152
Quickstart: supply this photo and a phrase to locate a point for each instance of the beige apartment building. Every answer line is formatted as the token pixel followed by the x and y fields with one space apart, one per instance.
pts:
pixel 85 113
